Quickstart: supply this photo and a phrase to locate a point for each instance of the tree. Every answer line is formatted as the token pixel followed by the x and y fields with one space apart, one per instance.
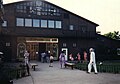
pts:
pixel 114 35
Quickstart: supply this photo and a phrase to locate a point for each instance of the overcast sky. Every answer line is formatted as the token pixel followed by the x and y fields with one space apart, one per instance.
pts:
pixel 106 13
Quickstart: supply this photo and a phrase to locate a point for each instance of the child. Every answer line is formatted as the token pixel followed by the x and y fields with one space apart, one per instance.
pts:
pixel 51 61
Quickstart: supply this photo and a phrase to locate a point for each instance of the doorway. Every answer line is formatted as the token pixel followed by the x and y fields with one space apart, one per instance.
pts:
pixel 65 50
pixel 36 46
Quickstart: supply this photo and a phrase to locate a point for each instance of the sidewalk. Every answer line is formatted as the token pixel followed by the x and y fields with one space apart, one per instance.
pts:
pixel 55 75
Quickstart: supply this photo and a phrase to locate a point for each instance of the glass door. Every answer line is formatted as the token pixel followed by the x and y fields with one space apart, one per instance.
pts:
pixel 33 49
pixel 53 48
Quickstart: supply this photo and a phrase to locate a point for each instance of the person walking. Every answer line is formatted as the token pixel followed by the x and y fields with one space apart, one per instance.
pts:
pixel 92 61
pixel 26 55
pixel 62 59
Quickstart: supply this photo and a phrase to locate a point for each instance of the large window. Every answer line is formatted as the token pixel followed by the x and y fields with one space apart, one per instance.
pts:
pixel 28 22
pixel 20 21
pixel 51 24
pixel 58 24
pixel 36 23
pixel 43 23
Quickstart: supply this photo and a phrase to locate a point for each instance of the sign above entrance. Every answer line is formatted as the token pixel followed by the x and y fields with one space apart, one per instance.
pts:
pixel 41 40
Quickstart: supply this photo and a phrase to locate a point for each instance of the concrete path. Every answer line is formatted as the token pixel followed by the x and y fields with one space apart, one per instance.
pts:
pixel 55 75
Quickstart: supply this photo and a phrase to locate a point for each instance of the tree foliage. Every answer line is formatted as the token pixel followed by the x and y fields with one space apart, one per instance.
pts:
pixel 113 35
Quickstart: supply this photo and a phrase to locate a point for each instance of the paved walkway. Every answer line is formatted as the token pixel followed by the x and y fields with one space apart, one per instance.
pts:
pixel 54 75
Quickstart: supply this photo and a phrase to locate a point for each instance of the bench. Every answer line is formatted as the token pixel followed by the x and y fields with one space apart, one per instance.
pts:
pixel 69 65
pixel 33 65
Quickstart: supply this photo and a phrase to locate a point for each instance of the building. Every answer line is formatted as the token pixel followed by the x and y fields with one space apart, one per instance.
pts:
pixel 39 26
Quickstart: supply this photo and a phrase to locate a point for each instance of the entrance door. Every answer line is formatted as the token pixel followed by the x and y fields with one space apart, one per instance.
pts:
pixel 42 48
pixel 66 53
pixel 32 48
pixel 53 48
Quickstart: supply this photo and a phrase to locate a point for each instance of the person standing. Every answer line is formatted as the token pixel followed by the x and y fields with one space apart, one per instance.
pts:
pixel 62 59
pixel 48 56
pixel 78 57
pixel 92 61
pixel 71 57
pixel 85 56
pixel 26 55
pixel 43 57
pixel 51 61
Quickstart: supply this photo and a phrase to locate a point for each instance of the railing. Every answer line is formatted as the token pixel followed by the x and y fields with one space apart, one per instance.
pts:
pixel 14 71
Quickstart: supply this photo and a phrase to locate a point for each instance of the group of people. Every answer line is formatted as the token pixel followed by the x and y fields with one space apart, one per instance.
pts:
pixel 62 60
pixel 91 63
pixel 45 56
pixel 78 57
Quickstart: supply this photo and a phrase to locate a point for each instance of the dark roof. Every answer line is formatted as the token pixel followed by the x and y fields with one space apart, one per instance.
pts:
pixel 57 7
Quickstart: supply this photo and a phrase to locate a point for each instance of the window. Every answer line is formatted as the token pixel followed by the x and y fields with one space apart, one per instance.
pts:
pixel 74 44
pixel 28 22
pixel 84 28
pixel 118 51
pixel 43 23
pixel 36 23
pixel 51 24
pixel 58 24
pixel 4 24
pixel 20 22
pixel 71 27
pixel 64 44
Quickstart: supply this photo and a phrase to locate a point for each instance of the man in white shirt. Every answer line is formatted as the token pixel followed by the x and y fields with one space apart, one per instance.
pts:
pixel 92 61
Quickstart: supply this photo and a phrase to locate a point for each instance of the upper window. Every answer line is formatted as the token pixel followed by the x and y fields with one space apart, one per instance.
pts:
pixel 58 24
pixel 84 28
pixel 37 8
pixel 4 24
pixel 74 44
pixel 36 23
pixel 51 24
pixel 71 27
pixel 28 22
pixel 43 23
pixel 20 21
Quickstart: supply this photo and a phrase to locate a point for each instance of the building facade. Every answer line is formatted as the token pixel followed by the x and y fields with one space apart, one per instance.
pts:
pixel 39 26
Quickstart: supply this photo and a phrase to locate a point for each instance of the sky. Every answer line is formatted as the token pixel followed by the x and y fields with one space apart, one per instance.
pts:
pixel 105 13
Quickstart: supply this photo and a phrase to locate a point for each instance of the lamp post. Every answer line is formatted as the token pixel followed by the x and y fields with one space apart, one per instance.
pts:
pixel 1 21
pixel 1 15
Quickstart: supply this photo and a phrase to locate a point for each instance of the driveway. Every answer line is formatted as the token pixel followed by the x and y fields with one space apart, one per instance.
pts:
pixel 55 75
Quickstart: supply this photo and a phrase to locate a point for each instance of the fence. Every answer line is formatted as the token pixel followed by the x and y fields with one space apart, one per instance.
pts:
pixel 105 67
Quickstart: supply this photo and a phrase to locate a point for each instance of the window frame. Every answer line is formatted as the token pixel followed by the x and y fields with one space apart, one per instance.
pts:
pixel 20 23
pixel 59 23
pixel 34 23
pixel 51 24
pixel 44 23
pixel 28 22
